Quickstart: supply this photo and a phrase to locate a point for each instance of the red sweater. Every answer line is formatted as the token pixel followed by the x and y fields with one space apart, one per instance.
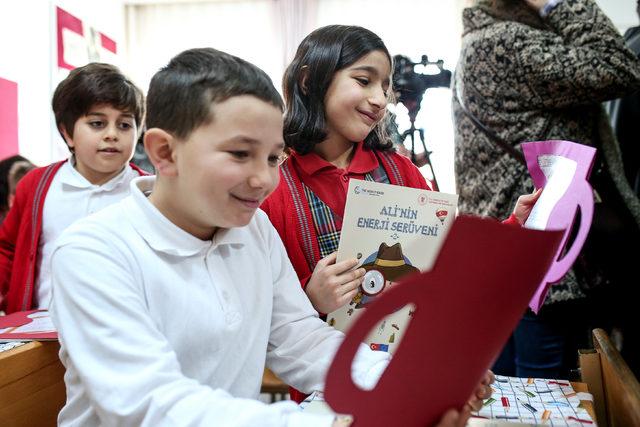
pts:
pixel 20 238
pixel 292 218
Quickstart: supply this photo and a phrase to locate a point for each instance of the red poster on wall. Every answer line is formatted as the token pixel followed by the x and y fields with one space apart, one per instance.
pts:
pixel 8 118
pixel 79 43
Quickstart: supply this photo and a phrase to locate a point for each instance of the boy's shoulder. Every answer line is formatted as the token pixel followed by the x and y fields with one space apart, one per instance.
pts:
pixel 36 180
pixel 36 174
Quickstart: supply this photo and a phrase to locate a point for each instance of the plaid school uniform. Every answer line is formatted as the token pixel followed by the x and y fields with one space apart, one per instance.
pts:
pixel 324 218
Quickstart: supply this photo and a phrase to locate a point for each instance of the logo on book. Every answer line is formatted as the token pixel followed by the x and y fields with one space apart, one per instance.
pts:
pixel 358 190
pixel 442 215
pixel 422 199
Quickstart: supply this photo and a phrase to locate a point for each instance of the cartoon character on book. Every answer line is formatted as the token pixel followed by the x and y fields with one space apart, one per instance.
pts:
pixel 386 268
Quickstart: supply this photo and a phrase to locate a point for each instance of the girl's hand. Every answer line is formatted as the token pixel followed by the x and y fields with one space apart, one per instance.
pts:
pixel 536 5
pixel 524 205
pixel 332 284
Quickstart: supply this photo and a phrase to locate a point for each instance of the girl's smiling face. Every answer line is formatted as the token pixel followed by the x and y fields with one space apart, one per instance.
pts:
pixel 356 98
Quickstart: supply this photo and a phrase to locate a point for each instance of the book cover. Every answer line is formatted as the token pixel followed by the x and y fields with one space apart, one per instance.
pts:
pixel 393 231
pixel 33 325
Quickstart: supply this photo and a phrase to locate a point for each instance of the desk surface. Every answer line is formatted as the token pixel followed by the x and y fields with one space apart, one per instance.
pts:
pixel 28 369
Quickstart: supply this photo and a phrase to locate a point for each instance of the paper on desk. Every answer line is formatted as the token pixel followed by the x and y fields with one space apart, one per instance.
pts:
pixel 33 325
pixel 465 309
pixel 562 169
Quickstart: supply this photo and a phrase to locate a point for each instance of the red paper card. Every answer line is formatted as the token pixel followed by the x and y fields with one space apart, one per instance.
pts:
pixel 465 309
pixel 33 325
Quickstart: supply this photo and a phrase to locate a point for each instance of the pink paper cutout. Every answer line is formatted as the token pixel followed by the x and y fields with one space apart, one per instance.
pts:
pixel 465 309
pixel 579 194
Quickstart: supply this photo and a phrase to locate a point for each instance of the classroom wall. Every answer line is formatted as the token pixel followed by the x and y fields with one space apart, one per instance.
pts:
pixel 28 57
pixel 622 12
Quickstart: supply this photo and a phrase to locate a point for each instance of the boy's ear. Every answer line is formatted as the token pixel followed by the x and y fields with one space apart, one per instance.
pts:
pixel 159 146
pixel 67 137
pixel 304 76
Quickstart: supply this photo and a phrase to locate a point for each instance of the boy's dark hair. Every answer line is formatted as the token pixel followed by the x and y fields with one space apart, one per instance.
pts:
pixel 95 84
pixel 182 93
pixel 322 53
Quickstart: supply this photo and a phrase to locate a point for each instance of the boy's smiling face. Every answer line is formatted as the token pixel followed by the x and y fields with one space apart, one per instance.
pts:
pixel 225 169
pixel 103 142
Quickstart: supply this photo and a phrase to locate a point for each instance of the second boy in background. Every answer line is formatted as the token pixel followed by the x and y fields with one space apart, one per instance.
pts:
pixel 98 112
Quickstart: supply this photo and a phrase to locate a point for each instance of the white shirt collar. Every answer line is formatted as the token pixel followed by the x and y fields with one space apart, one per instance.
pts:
pixel 162 234
pixel 69 176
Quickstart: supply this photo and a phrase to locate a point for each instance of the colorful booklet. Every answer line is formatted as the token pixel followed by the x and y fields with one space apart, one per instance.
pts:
pixel 33 325
pixel 514 402
pixel 393 231
pixel 534 401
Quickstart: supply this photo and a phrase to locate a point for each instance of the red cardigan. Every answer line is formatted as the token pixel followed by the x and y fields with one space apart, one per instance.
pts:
pixel 20 238
pixel 297 230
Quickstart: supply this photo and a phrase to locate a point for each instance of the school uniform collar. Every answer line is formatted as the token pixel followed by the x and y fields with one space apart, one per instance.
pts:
pixel 364 160
pixel 70 177
pixel 162 234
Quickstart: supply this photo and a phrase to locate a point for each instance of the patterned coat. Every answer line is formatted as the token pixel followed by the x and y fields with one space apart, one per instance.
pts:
pixel 530 82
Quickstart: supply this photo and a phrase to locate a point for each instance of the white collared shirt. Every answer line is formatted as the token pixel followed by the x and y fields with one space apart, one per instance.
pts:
pixel 158 327
pixel 71 197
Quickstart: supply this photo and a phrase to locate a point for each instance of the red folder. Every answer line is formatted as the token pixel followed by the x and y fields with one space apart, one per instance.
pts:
pixel 33 325
pixel 465 309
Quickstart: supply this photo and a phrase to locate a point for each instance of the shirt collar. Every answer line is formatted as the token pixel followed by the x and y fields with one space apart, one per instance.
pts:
pixel 162 234
pixel 69 176
pixel 364 160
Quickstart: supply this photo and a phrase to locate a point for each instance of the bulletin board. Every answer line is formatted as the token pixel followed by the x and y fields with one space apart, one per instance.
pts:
pixel 79 43
pixel 8 118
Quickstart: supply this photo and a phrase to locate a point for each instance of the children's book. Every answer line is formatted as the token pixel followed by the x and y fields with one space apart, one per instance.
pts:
pixel 33 325
pixel 393 231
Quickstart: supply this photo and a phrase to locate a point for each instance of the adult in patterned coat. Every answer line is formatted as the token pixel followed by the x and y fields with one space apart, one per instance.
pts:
pixel 537 70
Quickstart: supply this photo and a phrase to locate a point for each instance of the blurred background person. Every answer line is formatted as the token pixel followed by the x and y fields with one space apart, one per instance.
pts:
pixel 533 70
pixel 5 166
pixel 16 173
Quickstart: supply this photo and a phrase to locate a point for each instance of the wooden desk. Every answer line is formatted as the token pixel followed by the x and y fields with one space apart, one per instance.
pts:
pixel 32 390
pixel 615 389
pixel 273 386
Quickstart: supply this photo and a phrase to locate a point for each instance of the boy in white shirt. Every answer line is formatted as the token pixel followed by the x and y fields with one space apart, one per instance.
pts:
pixel 98 112
pixel 169 303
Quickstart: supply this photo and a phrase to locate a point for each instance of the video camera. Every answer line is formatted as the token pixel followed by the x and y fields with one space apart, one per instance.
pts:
pixel 410 86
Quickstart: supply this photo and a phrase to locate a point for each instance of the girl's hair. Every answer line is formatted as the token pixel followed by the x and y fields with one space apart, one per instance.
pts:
pixel 320 55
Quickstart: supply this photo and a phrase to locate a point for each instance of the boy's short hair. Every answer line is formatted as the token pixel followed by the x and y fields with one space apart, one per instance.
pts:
pixel 95 84
pixel 181 94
